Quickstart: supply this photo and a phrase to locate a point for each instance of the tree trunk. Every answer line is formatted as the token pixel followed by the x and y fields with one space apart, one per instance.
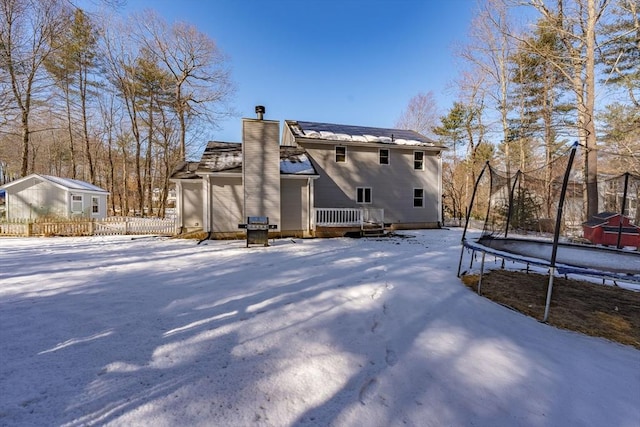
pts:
pixel 591 158
pixel 24 170
pixel 82 82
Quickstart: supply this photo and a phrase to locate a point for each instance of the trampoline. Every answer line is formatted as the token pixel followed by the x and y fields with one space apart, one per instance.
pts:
pixel 596 261
pixel 543 203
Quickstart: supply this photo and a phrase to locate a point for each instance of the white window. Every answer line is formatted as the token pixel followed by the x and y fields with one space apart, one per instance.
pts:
pixel 384 156
pixel 418 197
pixel 341 154
pixel 76 203
pixel 418 160
pixel 363 195
pixel 95 205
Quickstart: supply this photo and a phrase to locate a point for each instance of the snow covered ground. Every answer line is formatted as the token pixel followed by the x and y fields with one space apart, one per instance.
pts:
pixel 342 332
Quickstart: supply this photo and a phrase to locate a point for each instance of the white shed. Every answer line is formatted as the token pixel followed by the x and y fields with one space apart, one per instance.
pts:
pixel 38 195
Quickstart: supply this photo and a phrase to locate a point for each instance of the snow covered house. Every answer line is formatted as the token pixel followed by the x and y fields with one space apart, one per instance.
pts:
pixel 318 179
pixel 38 195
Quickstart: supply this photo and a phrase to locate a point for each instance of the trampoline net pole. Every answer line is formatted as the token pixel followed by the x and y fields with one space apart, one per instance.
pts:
pixel 556 234
pixel 481 273
pixel 547 305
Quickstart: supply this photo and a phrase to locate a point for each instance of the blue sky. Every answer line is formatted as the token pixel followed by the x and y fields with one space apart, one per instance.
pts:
pixel 340 61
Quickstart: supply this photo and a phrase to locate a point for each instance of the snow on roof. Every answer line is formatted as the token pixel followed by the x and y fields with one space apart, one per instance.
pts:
pixel 73 184
pixel 294 161
pixel 227 156
pixel 68 183
pixel 221 156
pixel 336 132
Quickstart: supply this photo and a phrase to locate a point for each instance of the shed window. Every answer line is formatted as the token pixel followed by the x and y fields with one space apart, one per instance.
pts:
pixel 76 203
pixel 384 156
pixel 341 154
pixel 363 195
pixel 418 198
pixel 95 205
pixel 418 160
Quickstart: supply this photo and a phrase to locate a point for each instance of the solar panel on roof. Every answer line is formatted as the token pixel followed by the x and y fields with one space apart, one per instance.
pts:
pixel 363 130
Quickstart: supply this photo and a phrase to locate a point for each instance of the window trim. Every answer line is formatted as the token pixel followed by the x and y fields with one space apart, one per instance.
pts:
pixel 418 198
pixel 363 191
pixel 336 154
pixel 388 156
pixel 415 160
pixel 75 200
pixel 95 205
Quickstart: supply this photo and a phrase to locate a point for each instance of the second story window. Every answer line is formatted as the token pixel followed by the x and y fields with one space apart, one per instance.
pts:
pixel 418 160
pixel 363 195
pixel 341 154
pixel 384 156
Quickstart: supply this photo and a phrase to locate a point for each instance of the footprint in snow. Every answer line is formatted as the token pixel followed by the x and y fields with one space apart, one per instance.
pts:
pixel 391 358
pixel 367 390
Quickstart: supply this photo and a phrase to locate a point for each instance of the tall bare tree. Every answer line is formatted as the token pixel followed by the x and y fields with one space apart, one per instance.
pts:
pixel 489 51
pixel 27 28
pixel 421 114
pixel 199 68
pixel 575 22
pixel 120 59
pixel 620 52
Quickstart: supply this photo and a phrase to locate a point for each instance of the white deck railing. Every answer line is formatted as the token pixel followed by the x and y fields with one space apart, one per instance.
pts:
pixel 348 217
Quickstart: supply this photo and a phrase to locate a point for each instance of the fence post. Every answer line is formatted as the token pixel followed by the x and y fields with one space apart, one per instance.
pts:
pixel 29 229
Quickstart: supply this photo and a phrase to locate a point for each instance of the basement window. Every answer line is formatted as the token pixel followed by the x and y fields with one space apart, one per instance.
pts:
pixel 341 154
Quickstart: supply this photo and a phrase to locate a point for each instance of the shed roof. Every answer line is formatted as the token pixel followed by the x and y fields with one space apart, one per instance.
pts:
pixel 227 157
pixel 66 183
pixel 349 133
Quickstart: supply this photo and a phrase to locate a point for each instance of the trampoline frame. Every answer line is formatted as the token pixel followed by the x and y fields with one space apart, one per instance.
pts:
pixel 551 263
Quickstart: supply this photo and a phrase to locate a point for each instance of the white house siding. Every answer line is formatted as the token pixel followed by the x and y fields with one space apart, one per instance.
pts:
pixel 192 203
pixel 226 204
pixel 294 207
pixel 261 168
pixel 392 185
pixel 35 198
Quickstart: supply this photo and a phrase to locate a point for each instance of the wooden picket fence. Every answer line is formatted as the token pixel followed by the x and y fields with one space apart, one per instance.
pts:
pixel 88 227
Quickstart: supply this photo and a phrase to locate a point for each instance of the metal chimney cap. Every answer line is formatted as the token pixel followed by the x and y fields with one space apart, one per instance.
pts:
pixel 260 109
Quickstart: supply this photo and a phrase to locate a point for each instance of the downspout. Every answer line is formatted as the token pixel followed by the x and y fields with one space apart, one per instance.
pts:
pixel 206 209
pixel 440 192
pixel 179 206
pixel 312 213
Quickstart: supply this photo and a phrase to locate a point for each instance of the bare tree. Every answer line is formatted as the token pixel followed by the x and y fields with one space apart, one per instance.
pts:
pixel 421 115
pixel 27 28
pixel 201 77
pixel 575 23
pixel 489 51
pixel 120 59
pixel 620 52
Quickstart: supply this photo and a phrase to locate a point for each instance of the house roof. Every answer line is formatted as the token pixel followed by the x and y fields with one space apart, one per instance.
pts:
pixel 227 157
pixel 66 183
pixel 362 134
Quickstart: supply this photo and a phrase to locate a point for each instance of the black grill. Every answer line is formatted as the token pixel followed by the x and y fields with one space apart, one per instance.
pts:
pixel 258 230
